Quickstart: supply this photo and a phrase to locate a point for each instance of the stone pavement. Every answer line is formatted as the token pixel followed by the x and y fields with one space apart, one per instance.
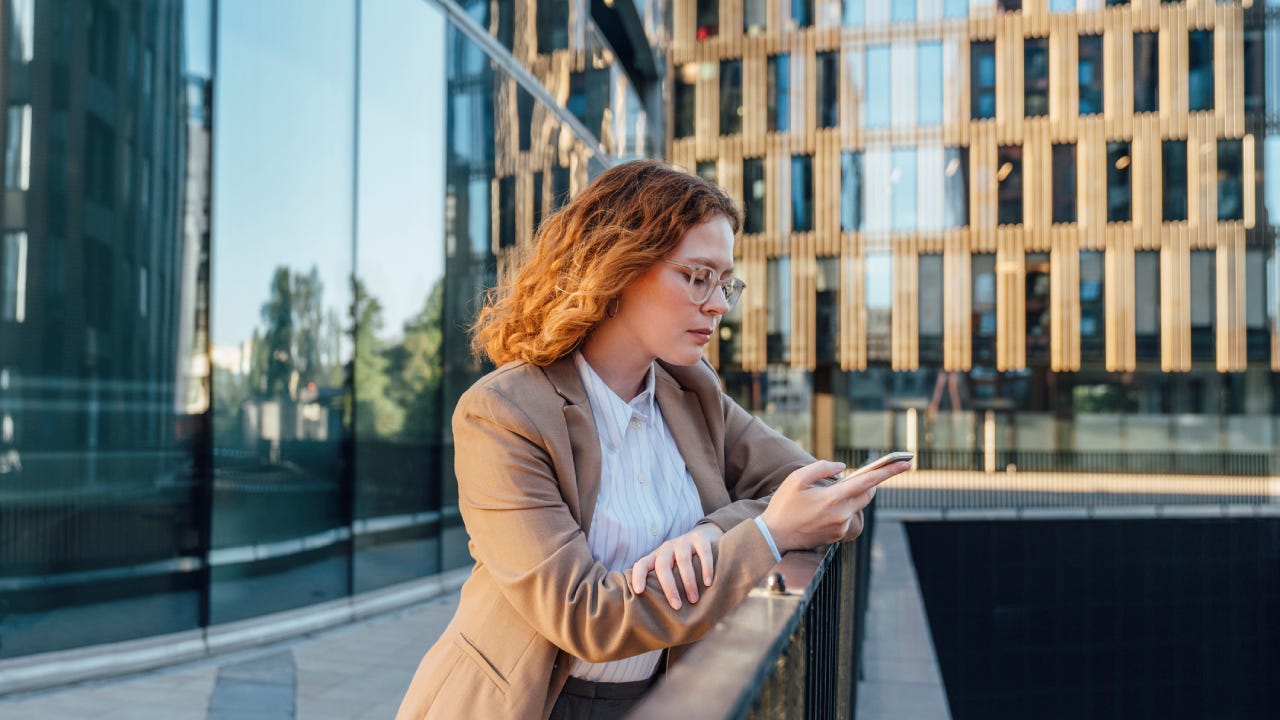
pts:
pixel 351 672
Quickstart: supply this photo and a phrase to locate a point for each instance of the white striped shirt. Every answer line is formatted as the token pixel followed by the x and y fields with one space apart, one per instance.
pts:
pixel 647 497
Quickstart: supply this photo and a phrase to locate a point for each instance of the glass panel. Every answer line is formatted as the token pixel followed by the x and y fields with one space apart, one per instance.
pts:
pixel 1038 314
pixel 930 281
pixel 955 8
pixel 1146 315
pixel 801 13
pixel 931 189
pixel 879 267
pixel 104 387
pixel 753 16
pixel 878 105
pixel 1062 5
pixel 707 170
pixel 850 191
pixel 779 111
pixel 708 19
pixel 878 194
pixel 1146 72
pixel 903 76
pixel 827 309
pixel 982 80
pixel 753 187
pixel 828 89
pixel 281 290
pixel 1118 189
pixel 730 97
pixel 1200 70
pixel 903 10
pixel 983 318
pixel 957 187
pixel 1174 159
pixel 778 340
pixel 929 66
pixel 685 89
pixel 1091 74
pixel 1203 310
pixel 801 193
pixel 1036 76
pixel 904 189
pixel 1009 177
pixel 1064 183
pixel 1258 270
pixel 855 12
pixel 1092 306
pixel 1230 180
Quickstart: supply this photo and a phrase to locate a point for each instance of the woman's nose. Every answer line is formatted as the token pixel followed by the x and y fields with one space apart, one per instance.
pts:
pixel 716 304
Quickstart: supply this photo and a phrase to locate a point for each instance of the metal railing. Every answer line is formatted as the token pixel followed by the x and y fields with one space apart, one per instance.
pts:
pixel 783 653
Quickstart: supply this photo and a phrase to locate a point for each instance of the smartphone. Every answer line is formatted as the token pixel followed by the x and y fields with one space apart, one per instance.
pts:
pixel 893 457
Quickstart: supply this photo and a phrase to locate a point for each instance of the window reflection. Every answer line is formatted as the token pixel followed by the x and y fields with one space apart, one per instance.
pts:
pixel 1119 192
pixel 1200 70
pixel 827 310
pixel 1090 74
pixel 779 97
pixel 904 179
pixel 1009 177
pixel 1092 306
pixel 956 187
pixel 929 87
pixel 827 85
pixel 930 320
pixel 1203 311
pixel 730 97
pixel 982 80
pixel 1064 183
pixel 801 193
pixel 778 337
pixel 1174 166
pixel 1146 72
pixel 879 300
pixel 850 190
pixel 983 299
pixel 1036 77
pixel 753 188
pixel 878 105
pixel 1146 264
pixel 1230 180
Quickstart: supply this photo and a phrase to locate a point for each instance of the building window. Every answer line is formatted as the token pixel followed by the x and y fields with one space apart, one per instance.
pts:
pixel 559 186
pixel 879 279
pixel 1146 316
pixel 538 181
pixel 1200 70
pixel 982 80
pixel 17 150
pixel 779 109
pixel 956 187
pixel 754 13
pixel 904 178
pixel 685 100
pixel 1259 267
pixel 1062 6
pixel 1092 306
pixel 1090 67
pixel 827 310
pixel 1204 305
pixel 778 337
pixel 929 83
pixel 553 25
pixel 1009 177
pixel 1009 5
pixel 853 12
pixel 1035 96
pixel 730 97
pixel 1119 193
pixel 753 188
pixel 955 8
pixel 1174 167
pixel 983 308
pixel 13 277
pixel 931 188
pixel 506 212
pixel 22 29
pixel 100 161
pixel 1230 180
pixel 1064 183
pixel 1255 59
pixel 1037 294
pixel 878 106
pixel 708 19
pixel 877 193
pixel 850 191
pixel 903 10
pixel 802 13
pixel 524 112
pixel 930 308
pixel 828 89
pixel 801 193
pixel 1146 72
pixel 707 170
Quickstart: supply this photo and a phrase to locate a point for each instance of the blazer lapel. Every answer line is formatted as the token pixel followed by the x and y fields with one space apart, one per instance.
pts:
pixel 581 491
pixel 683 413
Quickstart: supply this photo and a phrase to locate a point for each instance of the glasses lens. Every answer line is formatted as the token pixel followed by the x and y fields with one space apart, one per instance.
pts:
pixel 733 291
pixel 700 285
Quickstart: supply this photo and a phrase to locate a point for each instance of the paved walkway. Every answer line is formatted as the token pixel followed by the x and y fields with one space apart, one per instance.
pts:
pixel 351 672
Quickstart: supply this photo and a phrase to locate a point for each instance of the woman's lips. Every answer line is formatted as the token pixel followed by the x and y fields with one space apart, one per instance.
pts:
pixel 703 336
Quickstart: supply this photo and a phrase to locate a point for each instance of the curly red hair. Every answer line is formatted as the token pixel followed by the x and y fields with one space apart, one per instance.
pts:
pixel 630 217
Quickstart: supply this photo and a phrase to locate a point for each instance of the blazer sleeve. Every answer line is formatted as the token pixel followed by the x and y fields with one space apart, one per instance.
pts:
pixel 757 460
pixel 524 535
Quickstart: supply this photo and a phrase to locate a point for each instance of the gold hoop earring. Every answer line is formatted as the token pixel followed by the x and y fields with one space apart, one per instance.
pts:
pixel 611 309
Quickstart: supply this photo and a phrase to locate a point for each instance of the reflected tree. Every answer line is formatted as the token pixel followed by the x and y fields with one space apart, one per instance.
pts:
pixel 377 415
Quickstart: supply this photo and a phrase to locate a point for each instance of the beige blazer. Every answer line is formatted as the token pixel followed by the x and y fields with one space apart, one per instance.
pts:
pixel 528 468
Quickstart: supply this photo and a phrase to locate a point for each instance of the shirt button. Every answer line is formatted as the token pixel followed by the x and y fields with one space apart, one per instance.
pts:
pixel 654 531
pixel 635 424
pixel 643 479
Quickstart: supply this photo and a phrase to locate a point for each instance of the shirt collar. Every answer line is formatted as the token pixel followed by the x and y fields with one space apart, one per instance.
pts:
pixel 608 405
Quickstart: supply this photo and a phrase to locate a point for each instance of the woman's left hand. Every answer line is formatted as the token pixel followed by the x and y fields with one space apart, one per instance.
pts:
pixel 678 552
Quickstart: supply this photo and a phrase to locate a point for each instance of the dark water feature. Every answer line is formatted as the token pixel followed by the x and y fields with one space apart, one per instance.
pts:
pixel 1104 618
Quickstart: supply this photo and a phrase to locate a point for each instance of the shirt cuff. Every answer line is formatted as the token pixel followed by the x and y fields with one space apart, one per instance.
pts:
pixel 764 530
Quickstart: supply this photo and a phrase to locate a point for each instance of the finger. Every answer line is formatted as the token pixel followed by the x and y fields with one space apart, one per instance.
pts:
pixel 813 472
pixel 705 555
pixel 639 571
pixel 668 582
pixel 684 562
pixel 863 482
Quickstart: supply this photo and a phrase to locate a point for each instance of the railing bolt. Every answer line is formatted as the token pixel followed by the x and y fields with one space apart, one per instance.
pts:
pixel 776 584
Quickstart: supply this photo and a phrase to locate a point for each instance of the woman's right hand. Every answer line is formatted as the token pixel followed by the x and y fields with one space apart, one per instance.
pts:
pixel 806 512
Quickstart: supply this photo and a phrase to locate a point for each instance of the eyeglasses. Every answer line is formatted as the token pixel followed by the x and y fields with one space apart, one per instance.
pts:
pixel 702 282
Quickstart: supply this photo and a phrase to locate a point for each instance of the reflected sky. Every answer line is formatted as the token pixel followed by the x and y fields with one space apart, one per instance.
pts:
pixel 283 190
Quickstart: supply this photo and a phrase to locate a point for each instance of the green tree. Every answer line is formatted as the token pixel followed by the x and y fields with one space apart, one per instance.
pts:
pixel 416 368
pixel 377 415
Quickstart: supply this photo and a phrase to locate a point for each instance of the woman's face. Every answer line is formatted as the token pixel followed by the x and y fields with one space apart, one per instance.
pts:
pixel 655 311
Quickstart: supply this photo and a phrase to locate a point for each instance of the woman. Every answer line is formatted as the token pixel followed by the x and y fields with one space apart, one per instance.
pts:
pixel 602 472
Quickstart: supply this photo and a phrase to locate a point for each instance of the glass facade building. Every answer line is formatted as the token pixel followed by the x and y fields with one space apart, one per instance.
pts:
pixel 242 245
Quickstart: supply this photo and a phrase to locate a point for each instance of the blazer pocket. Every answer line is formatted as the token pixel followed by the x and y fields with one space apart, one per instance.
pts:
pixel 481 662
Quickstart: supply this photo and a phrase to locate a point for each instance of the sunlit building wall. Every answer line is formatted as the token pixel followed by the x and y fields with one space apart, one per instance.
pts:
pixel 1026 232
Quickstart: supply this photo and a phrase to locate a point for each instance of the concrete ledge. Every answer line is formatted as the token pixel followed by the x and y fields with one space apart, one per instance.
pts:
pixel 64 667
